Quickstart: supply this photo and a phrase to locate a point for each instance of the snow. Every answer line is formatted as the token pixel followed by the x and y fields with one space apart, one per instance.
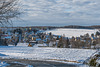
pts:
pixel 26 65
pixel 3 64
pixel 39 45
pixel 35 46
pixel 98 60
pixel 22 44
pixel 56 54
pixel 29 66
pixel 72 32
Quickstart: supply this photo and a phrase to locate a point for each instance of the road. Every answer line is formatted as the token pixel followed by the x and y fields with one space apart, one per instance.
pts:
pixel 35 63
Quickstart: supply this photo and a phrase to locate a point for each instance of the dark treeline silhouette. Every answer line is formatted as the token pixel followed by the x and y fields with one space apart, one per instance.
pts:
pixel 54 27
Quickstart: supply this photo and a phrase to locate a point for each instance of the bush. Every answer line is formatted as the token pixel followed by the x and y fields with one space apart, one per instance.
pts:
pixel 92 62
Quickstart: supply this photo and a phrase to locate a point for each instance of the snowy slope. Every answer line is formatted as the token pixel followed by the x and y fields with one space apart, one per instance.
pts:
pixel 46 53
pixel 72 32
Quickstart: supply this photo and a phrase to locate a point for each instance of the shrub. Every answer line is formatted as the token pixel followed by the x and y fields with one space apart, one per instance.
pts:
pixel 93 62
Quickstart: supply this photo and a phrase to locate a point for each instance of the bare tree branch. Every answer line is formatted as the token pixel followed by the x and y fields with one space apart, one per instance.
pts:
pixel 8 10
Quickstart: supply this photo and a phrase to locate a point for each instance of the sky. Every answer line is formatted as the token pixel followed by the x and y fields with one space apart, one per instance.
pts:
pixel 59 13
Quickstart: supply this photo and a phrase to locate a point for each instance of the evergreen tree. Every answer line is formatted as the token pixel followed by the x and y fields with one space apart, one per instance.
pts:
pixel 60 43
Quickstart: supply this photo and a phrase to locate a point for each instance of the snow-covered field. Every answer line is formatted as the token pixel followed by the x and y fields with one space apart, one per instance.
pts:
pixel 72 32
pixel 53 54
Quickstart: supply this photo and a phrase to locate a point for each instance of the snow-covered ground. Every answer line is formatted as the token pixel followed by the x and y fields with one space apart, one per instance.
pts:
pixel 23 44
pixel 72 32
pixel 26 65
pixel 3 64
pixel 26 45
pixel 52 54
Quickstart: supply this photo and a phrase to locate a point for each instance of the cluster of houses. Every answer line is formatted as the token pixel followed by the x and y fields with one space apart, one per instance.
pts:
pixel 35 36
pixel 83 42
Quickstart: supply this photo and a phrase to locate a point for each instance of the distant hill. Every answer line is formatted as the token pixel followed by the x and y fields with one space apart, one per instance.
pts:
pixel 95 26
pixel 70 26
pixel 79 27
pixel 53 27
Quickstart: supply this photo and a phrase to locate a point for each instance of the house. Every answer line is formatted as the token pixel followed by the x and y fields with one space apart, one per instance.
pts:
pixel 32 43
pixel 52 43
pixel 39 41
pixel 97 46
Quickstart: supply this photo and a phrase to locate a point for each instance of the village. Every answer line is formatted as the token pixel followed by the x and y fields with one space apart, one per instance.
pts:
pixel 49 33
pixel 39 38
pixel 35 36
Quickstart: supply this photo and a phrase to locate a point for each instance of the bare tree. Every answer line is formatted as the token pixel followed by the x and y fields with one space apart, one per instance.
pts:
pixel 8 10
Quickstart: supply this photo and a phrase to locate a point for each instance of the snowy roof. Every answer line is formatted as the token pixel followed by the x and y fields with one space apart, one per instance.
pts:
pixel 32 41
pixel 38 39
pixel 9 37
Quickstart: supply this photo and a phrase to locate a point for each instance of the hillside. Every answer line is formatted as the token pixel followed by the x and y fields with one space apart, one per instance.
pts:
pixel 51 54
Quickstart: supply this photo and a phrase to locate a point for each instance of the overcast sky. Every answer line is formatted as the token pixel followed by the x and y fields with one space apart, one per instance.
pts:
pixel 59 12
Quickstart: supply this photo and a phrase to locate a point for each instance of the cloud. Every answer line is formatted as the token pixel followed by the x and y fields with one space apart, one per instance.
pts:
pixel 65 12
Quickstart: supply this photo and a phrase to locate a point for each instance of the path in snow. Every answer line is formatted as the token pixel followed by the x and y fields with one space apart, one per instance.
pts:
pixel 35 63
